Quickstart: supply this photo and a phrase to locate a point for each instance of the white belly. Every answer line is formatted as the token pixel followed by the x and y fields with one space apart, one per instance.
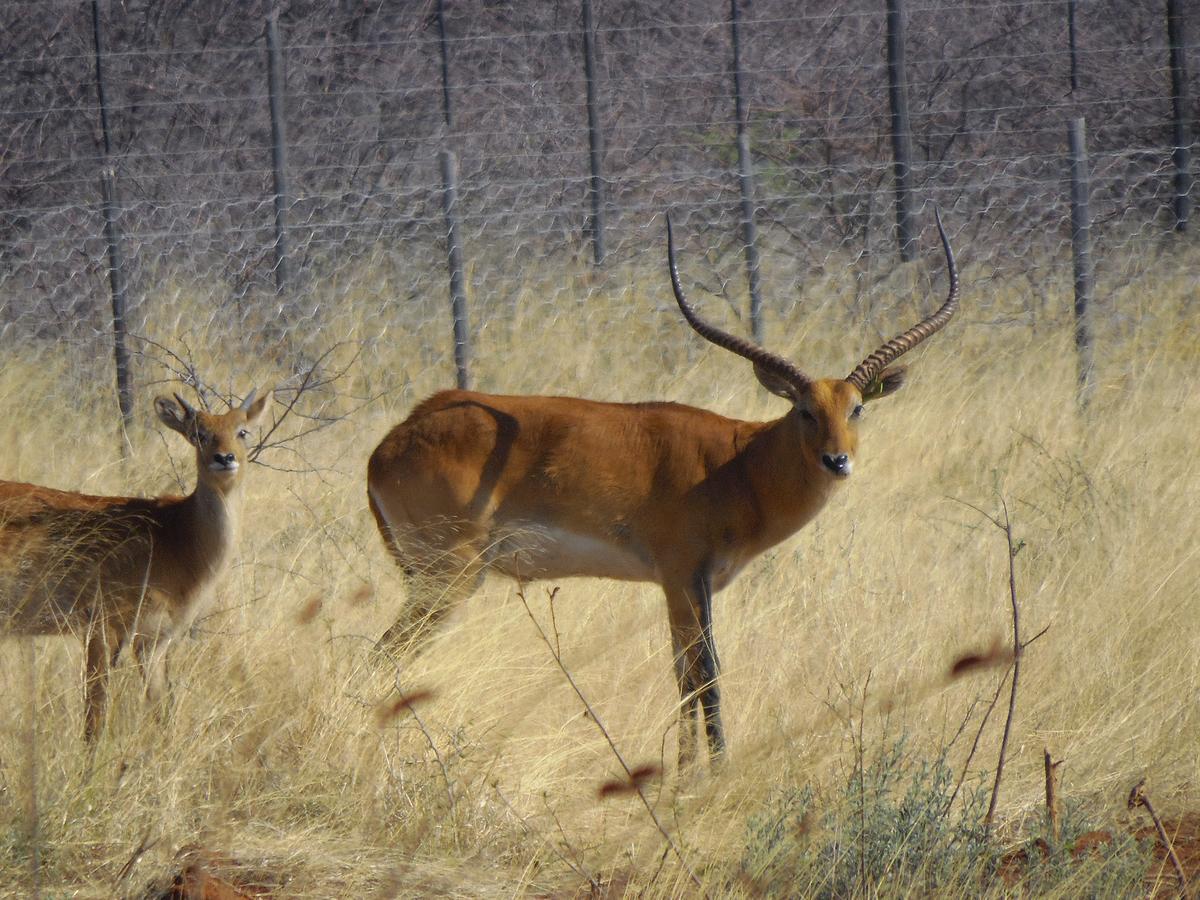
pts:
pixel 540 551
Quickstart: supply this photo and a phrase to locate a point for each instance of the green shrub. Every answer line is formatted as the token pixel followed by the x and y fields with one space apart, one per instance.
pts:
pixel 899 825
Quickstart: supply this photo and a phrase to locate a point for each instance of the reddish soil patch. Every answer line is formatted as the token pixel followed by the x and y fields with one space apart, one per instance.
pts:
pixel 207 876
pixel 1014 863
pixel 1184 835
pixel 1161 879
pixel 1090 843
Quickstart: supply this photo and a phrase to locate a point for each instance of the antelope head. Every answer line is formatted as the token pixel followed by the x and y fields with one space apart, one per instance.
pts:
pixel 823 421
pixel 221 441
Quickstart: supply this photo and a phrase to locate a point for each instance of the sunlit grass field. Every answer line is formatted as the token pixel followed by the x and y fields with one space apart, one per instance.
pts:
pixel 276 762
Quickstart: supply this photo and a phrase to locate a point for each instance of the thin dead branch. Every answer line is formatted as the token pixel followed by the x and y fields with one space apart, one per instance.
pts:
pixel 290 399
pixel 1139 797
pixel 1018 647
pixel 573 864
pixel 566 841
pixel 1016 664
pixel 407 701
pixel 629 772
pixel 145 844
pixel 314 379
pixel 1053 813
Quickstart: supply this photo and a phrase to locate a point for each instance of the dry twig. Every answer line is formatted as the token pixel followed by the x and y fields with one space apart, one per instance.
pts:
pixel 143 845
pixel 574 865
pixel 1052 806
pixel 1018 649
pixel 1016 663
pixel 629 772
pixel 1139 797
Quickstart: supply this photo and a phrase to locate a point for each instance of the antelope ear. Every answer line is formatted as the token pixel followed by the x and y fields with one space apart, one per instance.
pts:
pixel 886 382
pixel 254 409
pixel 778 386
pixel 173 414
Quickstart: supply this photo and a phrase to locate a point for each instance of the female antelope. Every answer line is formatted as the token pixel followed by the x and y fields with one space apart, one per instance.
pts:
pixel 118 570
pixel 551 487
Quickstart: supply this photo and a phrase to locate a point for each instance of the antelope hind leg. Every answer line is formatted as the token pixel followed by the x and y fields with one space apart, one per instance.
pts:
pixel 101 646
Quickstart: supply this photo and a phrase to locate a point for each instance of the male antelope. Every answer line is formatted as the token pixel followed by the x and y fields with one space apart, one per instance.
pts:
pixel 551 487
pixel 117 570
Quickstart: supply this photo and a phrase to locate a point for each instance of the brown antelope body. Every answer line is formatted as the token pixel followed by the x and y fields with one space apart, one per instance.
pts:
pixel 118 570
pixel 549 487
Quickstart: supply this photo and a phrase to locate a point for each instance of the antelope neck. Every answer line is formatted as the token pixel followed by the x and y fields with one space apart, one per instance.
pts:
pixel 791 484
pixel 209 518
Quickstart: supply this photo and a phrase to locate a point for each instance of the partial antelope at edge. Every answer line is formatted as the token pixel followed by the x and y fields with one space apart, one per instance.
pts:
pixel 552 487
pixel 125 570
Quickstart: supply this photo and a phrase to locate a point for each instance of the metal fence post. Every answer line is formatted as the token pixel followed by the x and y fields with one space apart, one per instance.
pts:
pixel 1181 113
pixel 1081 246
pixel 454 252
pixel 1072 43
pixel 112 235
pixel 595 137
pixel 447 107
pixel 901 131
pixel 458 293
pixel 745 175
pixel 276 86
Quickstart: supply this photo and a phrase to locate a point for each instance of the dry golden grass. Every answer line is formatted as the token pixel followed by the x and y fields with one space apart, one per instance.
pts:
pixel 316 770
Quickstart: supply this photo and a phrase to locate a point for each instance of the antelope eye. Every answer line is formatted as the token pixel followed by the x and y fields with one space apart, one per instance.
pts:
pixel 857 411
pixel 243 433
pixel 807 416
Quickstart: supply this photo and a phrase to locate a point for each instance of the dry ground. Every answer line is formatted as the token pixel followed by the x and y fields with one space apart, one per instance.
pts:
pixel 275 763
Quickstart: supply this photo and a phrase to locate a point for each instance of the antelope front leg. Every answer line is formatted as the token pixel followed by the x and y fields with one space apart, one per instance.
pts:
pixel 151 653
pixel 710 667
pixel 697 667
pixel 685 641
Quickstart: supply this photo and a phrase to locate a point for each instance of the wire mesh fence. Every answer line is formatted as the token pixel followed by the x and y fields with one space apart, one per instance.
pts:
pixel 990 93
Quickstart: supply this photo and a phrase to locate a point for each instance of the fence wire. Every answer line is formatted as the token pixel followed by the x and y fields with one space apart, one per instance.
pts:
pixel 990 101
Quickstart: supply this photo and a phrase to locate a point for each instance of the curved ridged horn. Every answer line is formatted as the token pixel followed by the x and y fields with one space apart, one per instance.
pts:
pixel 249 399
pixel 870 367
pixel 763 359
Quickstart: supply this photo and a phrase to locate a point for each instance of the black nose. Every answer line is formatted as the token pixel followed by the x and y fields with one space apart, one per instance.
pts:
pixel 225 459
pixel 838 465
